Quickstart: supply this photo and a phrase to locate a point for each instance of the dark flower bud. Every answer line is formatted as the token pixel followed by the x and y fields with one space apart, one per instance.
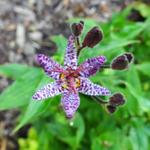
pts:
pixel 120 63
pixel 136 16
pixel 93 37
pixel 77 28
pixel 111 109
pixel 117 100
pixel 129 57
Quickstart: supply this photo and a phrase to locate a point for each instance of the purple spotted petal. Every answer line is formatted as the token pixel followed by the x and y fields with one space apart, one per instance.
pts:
pixel 91 66
pixel 89 88
pixel 52 68
pixel 70 102
pixel 47 91
pixel 71 54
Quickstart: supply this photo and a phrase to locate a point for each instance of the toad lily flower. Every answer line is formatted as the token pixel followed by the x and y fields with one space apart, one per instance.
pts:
pixel 71 79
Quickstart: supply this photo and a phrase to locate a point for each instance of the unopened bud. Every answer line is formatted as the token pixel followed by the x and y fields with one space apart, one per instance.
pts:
pixel 120 63
pixel 129 57
pixel 111 109
pixel 117 100
pixel 77 28
pixel 136 16
pixel 93 37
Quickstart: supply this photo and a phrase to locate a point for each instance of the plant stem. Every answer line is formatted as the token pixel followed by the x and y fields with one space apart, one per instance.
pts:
pixel 78 42
pixel 99 100
pixel 78 47
pixel 106 66
pixel 79 50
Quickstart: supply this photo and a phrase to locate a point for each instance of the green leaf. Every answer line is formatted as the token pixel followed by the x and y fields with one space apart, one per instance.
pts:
pixel 79 124
pixel 72 135
pixel 143 8
pixel 61 44
pixel 138 138
pixel 133 78
pixel 14 71
pixel 116 45
pixel 134 139
pixel 35 107
pixel 133 28
pixel 96 144
pixel 144 68
pixel 62 132
pixel 20 92
pixel 144 102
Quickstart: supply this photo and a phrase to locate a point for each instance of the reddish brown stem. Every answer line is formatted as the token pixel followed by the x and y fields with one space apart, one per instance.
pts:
pixel 79 50
pixel 78 42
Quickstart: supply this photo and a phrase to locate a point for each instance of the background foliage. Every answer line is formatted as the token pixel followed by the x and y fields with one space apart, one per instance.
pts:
pixel 92 128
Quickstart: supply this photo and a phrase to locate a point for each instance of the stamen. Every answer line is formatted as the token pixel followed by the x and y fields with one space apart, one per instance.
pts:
pixel 62 76
pixel 77 82
pixel 65 86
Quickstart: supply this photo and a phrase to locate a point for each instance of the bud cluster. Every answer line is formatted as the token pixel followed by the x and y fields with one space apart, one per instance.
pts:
pixel 114 101
pixel 122 62
pixel 92 38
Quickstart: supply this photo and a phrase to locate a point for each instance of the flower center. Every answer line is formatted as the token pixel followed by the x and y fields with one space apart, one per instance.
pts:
pixel 70 80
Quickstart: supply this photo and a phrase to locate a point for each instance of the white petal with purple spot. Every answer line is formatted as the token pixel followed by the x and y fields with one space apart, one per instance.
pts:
pixel 47 91
pixel 91 66
pixel 70 102
pixel 89 88
pixel 52 68
pixel 71 54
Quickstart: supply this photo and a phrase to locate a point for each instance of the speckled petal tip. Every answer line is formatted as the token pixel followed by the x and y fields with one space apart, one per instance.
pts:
pixel 89 88
pixel 70 102
pixel 47 91
pixel 71 54
pixel 52 68
pixel 91 66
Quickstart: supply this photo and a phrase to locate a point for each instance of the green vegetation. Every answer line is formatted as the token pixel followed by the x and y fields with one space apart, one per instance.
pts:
pixel 92 128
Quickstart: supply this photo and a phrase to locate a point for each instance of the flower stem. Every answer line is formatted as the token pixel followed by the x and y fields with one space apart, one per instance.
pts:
pixel 106 66
pixel 99 100
pixel 78 42
pixel 78 47
pixel 79 50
